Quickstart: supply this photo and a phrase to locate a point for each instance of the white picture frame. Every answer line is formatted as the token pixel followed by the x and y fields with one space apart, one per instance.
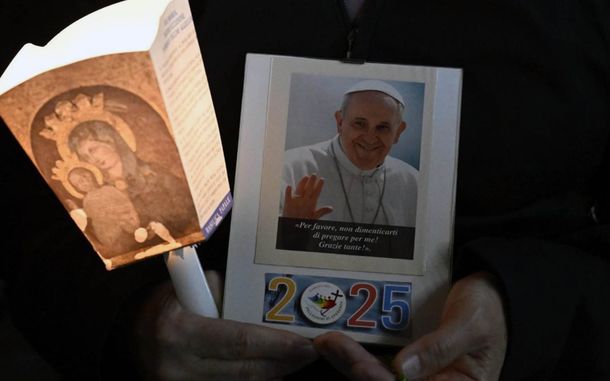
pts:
pixel 270 124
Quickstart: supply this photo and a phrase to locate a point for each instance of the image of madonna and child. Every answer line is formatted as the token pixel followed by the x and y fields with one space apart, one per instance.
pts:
pixel 133 202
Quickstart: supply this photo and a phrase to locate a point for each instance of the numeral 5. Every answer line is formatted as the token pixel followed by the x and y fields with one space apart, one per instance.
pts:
pixel 393 305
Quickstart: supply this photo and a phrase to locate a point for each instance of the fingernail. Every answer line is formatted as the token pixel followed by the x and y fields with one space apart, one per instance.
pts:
pixel 411 367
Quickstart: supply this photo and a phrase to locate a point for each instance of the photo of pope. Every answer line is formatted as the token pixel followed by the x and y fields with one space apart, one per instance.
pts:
pixel 352 177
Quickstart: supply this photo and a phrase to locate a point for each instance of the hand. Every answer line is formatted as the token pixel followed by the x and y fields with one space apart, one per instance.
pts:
pixel 80 217
pixel 160 230
pixel 303 203
pixel 469 344
pixel 174 344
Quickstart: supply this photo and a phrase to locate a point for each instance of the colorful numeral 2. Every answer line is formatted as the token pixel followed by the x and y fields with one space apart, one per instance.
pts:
pixel 371 297
pixel 274 313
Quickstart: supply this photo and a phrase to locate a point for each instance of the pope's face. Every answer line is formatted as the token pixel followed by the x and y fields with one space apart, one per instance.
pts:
pixel 368 127
pixel 100 154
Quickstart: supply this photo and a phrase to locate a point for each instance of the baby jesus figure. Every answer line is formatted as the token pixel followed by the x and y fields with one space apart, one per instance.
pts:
pixel 114 219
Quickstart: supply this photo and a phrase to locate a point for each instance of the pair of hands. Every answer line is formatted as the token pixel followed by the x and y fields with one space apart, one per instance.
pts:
pixel 174 344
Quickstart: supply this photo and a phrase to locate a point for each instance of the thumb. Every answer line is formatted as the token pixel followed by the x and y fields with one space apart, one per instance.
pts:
pixel 322 212
pixel 432 352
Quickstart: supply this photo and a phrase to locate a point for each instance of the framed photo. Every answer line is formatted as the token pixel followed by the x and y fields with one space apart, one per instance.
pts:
pixel 348 238
pixel 344 196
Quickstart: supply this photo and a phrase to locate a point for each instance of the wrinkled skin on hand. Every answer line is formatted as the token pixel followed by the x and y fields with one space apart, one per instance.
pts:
pixel 172 343
pixel 469 344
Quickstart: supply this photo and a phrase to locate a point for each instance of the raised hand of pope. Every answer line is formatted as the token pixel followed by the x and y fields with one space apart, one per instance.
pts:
pixel 171 343
pixel 469 344
pixel 304 201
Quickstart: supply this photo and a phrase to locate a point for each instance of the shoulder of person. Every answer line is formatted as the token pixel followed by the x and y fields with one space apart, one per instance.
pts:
pixel 399 168
pixel 402 172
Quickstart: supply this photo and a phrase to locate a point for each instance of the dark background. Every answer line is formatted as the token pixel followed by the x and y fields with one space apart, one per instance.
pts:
pixel 35 22
pixel 18 361
pixel 543 143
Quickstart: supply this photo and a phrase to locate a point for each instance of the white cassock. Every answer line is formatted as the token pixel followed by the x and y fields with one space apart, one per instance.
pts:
pixel 386 195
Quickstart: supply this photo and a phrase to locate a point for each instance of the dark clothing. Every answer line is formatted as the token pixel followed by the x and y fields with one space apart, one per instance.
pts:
pixel 534 163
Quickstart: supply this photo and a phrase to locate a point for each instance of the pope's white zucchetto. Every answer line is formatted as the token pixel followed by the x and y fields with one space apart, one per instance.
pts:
pixel 376 85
